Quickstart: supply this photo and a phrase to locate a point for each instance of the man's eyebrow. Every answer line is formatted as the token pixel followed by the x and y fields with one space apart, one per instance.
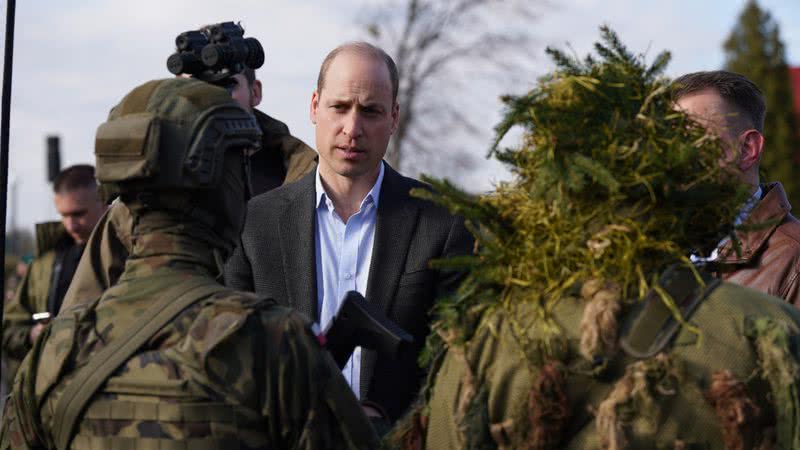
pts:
pixel 331 100
pixel 371 104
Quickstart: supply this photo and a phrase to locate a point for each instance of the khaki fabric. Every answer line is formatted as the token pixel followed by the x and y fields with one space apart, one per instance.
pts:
pixel 298 157
pixel 104 258
pixel 258 363
pixel 499 364
pixel 31 297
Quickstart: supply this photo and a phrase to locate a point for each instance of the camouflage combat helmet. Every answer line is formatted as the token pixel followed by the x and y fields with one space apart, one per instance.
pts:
pixel 180 146
pixel 171 134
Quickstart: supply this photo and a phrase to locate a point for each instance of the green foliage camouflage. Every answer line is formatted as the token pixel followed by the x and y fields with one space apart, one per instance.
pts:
pixel 755 49
pixel 610 183
pixel 780 369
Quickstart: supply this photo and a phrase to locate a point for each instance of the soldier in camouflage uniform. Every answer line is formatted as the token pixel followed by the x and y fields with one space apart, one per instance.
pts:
pixel 283 159
pixel 168 358
pixel 58 249
pixel 583 324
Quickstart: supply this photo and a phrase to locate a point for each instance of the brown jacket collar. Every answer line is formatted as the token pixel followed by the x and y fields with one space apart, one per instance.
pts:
pixel 768 214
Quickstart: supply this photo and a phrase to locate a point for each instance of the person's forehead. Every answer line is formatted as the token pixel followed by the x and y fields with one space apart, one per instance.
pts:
pixel 79 196
pixel 703 103
pixel 362 69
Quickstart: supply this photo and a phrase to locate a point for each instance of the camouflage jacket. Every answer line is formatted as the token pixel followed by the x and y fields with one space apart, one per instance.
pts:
pixel 296 157
pixel 230 371
pixel 31 296
pixel 108 246
pixel 734 385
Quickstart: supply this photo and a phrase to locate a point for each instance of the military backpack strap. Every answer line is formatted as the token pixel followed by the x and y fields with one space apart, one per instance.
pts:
pixel 89 379
pixel 652 326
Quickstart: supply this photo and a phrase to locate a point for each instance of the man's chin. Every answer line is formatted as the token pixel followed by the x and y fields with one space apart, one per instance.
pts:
pixel 353 169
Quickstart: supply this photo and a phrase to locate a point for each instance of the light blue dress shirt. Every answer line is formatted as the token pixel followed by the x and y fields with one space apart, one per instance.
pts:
pixel 344 254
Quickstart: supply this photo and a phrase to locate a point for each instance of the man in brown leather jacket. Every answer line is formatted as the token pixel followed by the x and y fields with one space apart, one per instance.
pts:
pixel 733 108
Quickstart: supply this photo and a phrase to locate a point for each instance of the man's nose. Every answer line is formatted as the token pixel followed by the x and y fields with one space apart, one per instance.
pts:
pixel 353 125
pixel 71 223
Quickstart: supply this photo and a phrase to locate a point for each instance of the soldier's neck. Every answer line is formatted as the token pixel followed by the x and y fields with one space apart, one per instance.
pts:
pixel 160 241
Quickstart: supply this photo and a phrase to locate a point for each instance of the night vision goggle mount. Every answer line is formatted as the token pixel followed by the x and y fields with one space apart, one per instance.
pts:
pixel 215 53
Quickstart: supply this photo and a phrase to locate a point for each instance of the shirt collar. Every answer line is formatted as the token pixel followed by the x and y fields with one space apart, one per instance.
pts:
pixel 748 207
pixel 373 194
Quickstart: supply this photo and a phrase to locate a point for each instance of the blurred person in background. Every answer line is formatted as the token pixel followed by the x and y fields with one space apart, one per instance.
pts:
pixel 59 246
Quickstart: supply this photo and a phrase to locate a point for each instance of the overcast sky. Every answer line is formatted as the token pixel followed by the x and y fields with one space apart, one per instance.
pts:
pixel 74 59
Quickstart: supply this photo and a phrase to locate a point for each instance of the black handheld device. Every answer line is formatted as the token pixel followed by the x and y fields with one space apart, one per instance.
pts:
pixel 359 323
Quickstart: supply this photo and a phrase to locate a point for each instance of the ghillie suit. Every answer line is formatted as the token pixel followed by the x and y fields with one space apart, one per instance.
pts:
pixel 583 324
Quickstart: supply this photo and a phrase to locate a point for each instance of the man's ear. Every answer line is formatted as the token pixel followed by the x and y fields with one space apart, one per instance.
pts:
pixel 255 93
pixel 395 116
pixel 751 144
pixel 312 112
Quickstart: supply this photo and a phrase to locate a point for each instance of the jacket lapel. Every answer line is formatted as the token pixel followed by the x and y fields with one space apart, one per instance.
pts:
pixel 767 215
pixel 396 220
pixel 297 224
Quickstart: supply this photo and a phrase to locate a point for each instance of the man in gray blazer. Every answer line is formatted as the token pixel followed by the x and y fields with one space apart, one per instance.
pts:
pixel 352 225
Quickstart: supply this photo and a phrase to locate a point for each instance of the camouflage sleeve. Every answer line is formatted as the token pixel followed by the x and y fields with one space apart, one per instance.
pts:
pixel 11 434
pixel 306 391
pixel 298 157
pixel 19 430
pixel 17 322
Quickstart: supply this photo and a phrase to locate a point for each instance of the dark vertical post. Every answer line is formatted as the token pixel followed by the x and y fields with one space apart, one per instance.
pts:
pixel 5 117
pixel 53 157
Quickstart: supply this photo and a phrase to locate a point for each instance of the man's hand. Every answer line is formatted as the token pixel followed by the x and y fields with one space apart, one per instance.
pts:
pixel 36 330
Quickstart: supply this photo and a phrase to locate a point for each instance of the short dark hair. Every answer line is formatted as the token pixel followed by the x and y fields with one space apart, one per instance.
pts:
pixel 737 91
pixel 363 48
pixel 249 75
pixel 73 178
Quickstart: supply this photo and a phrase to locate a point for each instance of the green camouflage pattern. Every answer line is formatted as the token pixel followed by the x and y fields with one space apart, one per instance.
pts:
pixel 230 371
pixel 171 134
pixel 30 297
pixel 679 416
pixel 48 235
pixel 253 360
pixel 110 243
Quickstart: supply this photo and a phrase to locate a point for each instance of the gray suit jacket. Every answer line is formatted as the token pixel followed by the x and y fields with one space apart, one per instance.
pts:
pixel 276 259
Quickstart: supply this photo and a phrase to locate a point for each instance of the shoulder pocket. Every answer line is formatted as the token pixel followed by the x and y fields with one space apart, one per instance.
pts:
pixel 651 325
